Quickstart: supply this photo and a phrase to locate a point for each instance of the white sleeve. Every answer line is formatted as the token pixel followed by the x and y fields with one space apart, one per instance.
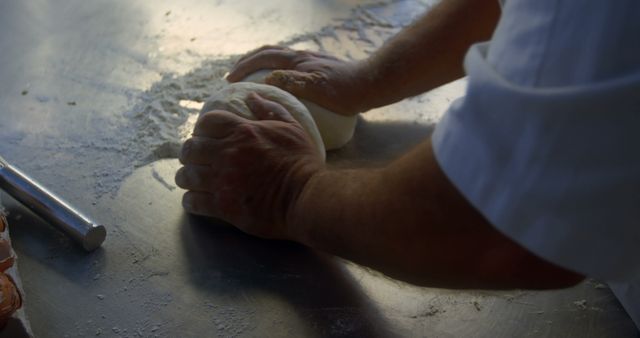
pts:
pixel 551 158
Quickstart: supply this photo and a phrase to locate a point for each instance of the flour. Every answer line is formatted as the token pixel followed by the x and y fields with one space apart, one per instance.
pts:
pixel 162 117
pixel 161 180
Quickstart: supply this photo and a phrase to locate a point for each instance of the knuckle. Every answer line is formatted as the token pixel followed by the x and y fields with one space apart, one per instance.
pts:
pixel 193 178
pixel 302 56
pixel 215 115
pixel 208 117
pixel 273 106
pixel 229 152
pixel 318 77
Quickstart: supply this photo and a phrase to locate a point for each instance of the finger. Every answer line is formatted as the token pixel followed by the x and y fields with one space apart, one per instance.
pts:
pixel 260 49
pixel 215 205
pixel 199 150
pixel 199 203
pixel 266 59
pixel 196 178
pixel 216 124
pixel 203 204
pixel 264 109
pixel 322 55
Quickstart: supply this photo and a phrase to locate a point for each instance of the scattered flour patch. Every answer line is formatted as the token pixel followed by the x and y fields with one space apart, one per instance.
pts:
pixel 163 116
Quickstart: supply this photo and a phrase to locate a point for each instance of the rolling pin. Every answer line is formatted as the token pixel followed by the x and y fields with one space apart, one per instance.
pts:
pixel 50 207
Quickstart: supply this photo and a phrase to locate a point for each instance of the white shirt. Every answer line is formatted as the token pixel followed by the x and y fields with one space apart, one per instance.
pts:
pixel 546 142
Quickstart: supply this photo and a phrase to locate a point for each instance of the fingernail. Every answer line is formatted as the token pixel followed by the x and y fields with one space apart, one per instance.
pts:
pixel 252 100
pixel 186 203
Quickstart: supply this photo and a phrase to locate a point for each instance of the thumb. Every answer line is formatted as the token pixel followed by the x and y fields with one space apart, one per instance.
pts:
pixel 300 84
pixel 264 109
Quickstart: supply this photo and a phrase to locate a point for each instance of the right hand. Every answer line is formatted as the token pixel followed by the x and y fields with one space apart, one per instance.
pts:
pixel 340 86
pixel 249 173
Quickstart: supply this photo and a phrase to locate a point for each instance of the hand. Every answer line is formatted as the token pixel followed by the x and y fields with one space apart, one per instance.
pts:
pixel 247 173
pixel 340 86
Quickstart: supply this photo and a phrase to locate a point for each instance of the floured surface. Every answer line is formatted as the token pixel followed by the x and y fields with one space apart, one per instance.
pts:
pixel 164 115
pixel 108 120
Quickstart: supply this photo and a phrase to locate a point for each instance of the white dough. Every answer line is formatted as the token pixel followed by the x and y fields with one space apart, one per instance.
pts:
pixel 336 130
pixel 232 99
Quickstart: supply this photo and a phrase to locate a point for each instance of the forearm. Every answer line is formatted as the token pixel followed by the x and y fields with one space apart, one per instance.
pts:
pixel 430 52
pixel 360 215
pixel 409 222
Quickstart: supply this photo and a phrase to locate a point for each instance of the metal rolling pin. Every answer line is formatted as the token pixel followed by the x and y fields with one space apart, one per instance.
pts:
pixel 50 207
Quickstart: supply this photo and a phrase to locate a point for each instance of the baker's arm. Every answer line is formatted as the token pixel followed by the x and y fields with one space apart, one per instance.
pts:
pixel 423 56
pixel 430 52
pixel 408 221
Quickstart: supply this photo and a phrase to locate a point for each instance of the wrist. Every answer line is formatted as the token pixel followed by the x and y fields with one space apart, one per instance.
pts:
pixel 331 205
pixel 295 222
pixel 367 85
pixel 376 77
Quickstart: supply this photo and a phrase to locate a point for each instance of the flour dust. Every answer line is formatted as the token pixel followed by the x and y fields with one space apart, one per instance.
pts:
pixel 164 115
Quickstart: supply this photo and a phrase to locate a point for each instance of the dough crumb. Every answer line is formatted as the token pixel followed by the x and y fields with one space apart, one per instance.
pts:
pixel 430 312
pixel 581 304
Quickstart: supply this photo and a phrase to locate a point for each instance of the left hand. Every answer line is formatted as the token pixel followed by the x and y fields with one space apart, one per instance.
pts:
pixel 341 86
pixel 245 172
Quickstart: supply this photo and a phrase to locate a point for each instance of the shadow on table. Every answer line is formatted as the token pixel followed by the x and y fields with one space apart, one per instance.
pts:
pixel 323 297
pixel 378 142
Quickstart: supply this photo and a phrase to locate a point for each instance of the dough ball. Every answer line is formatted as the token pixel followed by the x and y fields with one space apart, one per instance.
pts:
pixel 336 130
pixel 233 97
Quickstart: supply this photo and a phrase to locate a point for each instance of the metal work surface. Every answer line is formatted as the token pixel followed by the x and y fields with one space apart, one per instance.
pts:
pixel 71 76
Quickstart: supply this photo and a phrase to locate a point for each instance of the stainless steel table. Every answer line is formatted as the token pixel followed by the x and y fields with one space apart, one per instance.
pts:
pixel 68 72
